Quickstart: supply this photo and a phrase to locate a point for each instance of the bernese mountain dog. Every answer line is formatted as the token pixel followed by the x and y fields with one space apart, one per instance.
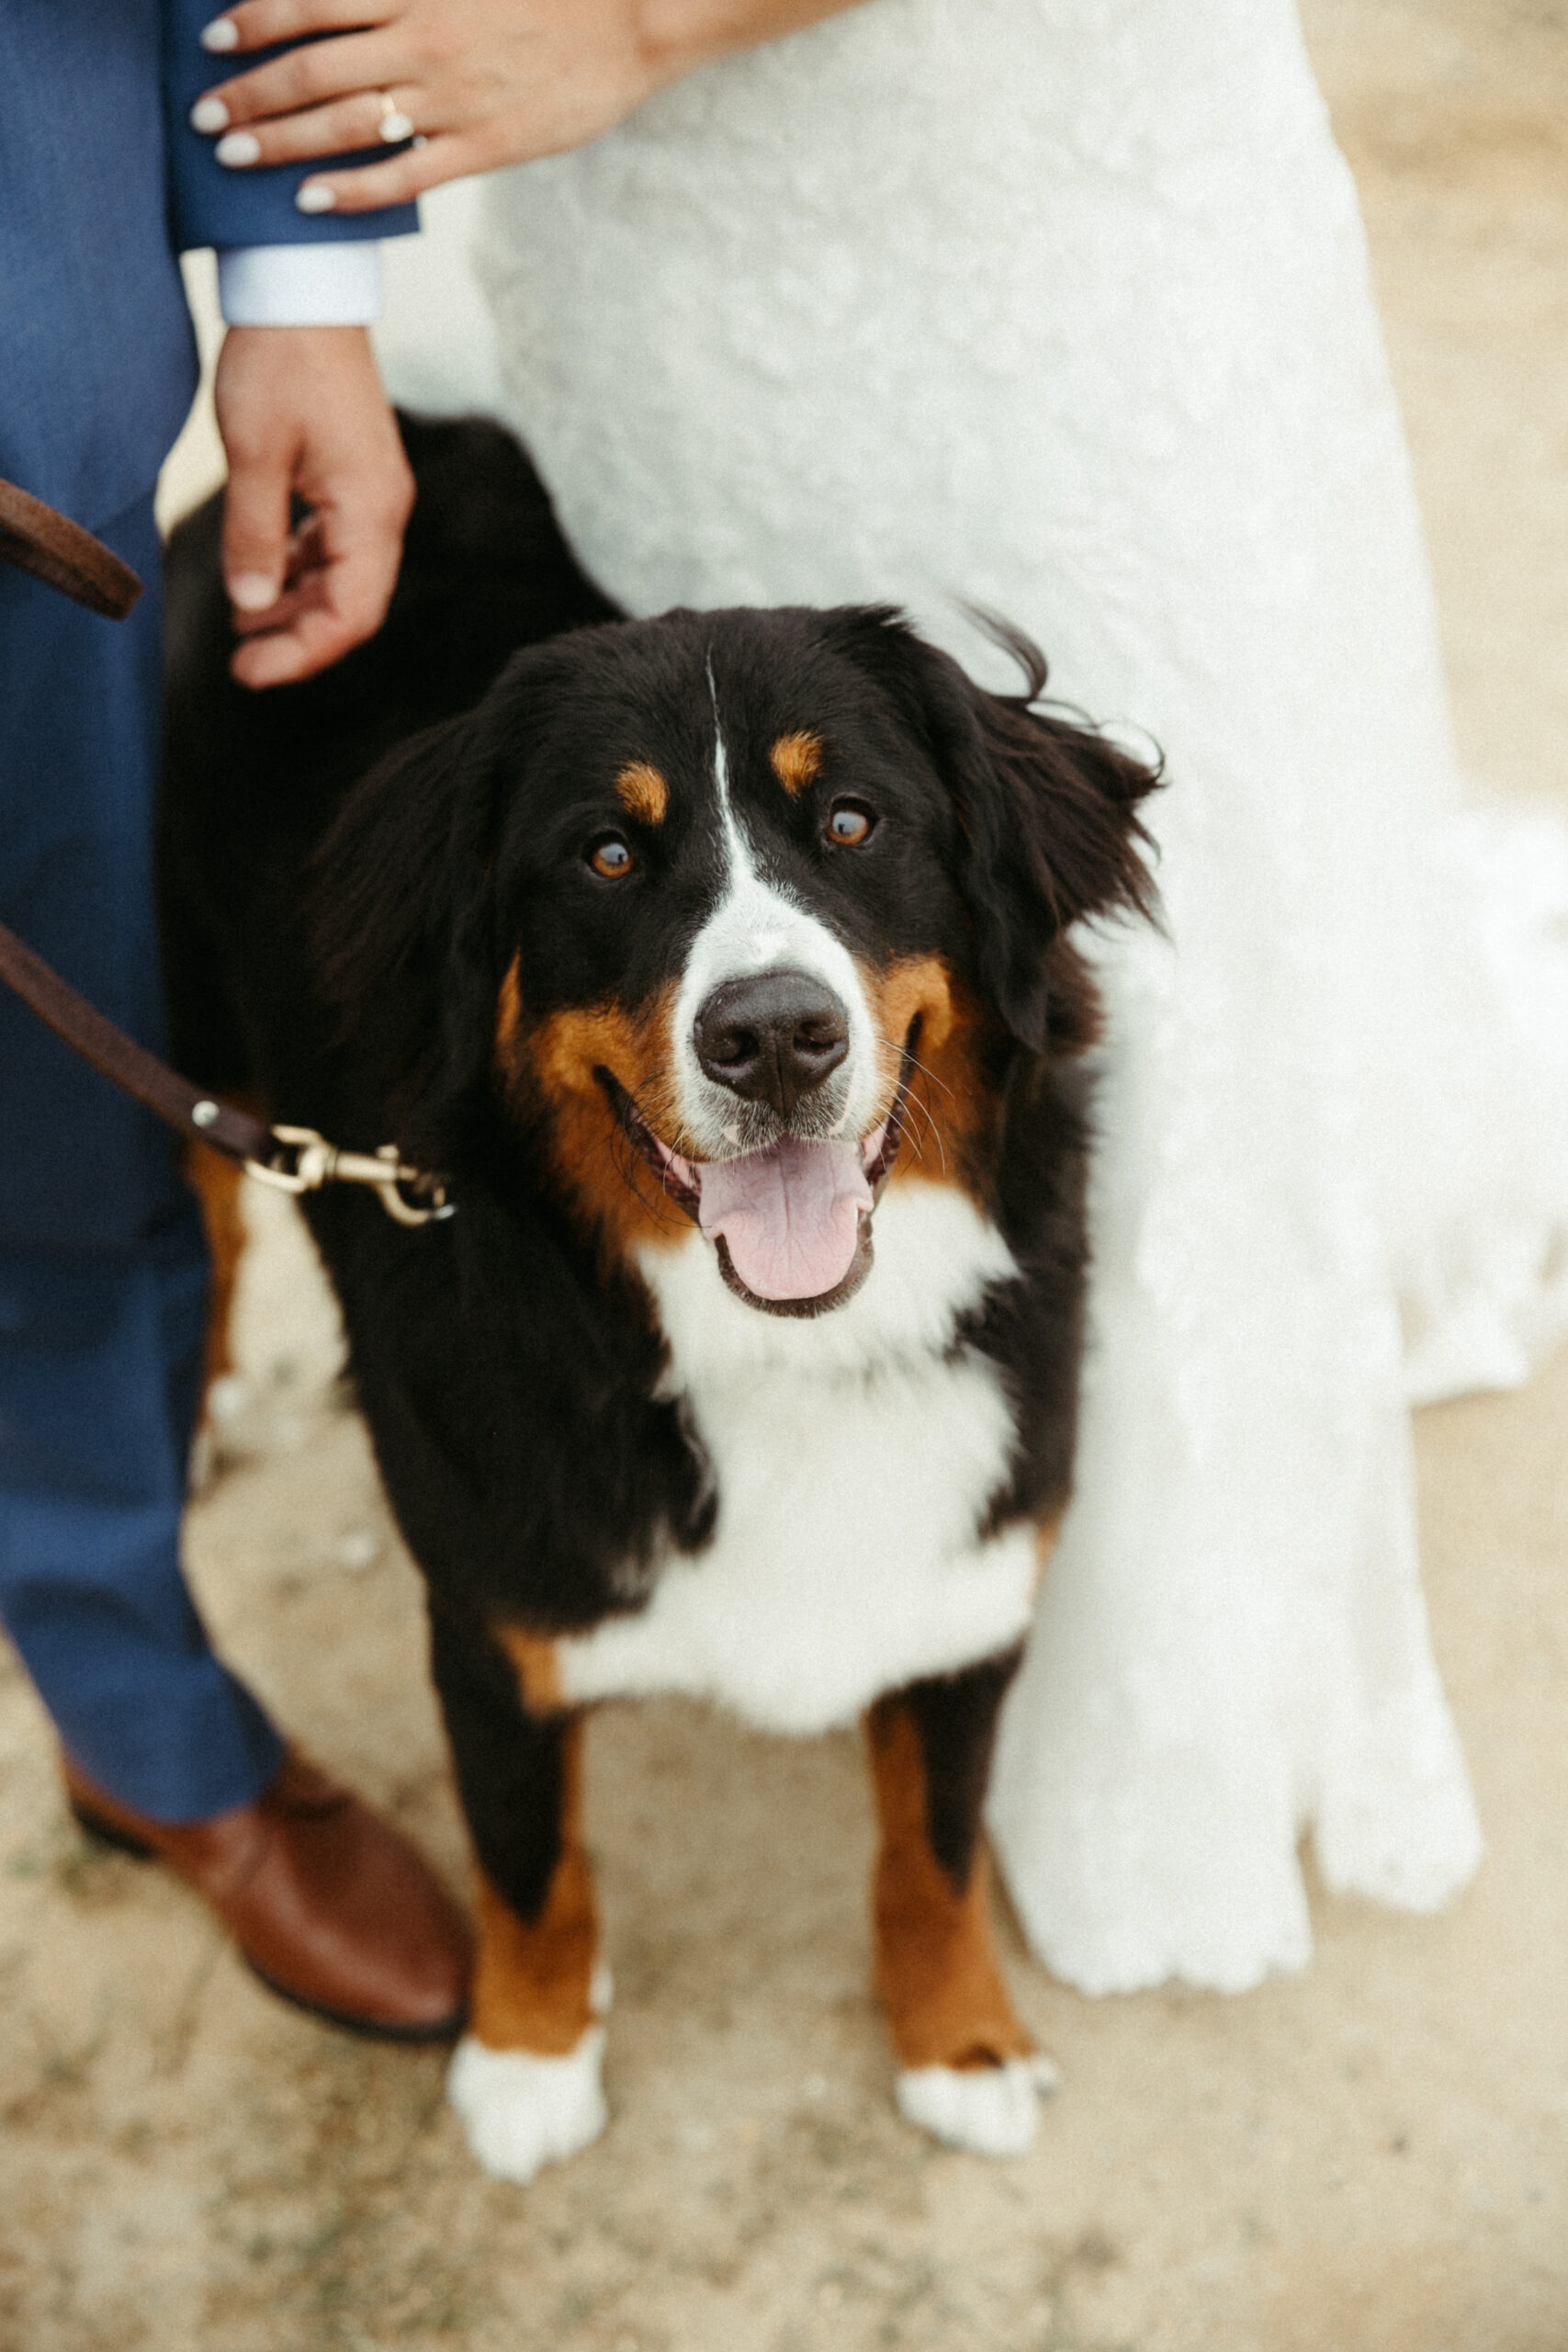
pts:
pixel 724 966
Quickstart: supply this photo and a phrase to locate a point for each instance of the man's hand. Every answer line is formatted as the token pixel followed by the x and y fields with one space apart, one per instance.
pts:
pixel 303 415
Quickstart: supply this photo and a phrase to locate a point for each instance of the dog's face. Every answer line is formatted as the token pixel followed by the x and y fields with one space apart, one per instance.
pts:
pixel 728 882
pixel 763 900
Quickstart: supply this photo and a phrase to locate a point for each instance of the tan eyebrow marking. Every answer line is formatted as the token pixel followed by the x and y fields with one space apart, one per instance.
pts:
pixel 797 759
pixel 642 792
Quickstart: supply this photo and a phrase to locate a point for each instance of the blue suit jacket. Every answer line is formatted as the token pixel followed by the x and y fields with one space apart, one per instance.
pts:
pixel 102 183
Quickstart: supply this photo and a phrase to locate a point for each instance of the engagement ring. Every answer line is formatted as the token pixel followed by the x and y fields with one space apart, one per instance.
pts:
pixel 395 124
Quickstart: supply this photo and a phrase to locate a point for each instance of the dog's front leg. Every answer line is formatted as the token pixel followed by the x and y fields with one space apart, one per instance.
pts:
pixel 969 2073
pixel 525 2077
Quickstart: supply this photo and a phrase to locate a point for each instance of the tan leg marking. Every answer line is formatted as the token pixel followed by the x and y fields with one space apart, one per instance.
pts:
pixel 539 1668
pixel 1045 1544
pixel 533 1978
pixel 216 1181
pixel 936 1973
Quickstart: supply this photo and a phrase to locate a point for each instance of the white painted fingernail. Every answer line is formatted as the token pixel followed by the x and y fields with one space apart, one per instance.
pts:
pixel 240 147
pixel 220 34
pixel 252 591
pixel 316 197
pixel 210 113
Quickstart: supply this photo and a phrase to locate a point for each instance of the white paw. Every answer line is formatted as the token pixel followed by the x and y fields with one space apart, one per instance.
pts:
pixel 522 2112
pixel 991 2110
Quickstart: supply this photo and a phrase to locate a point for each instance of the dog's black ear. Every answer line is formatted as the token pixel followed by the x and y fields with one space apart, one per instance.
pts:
pixel 402 914
pixel 1047 809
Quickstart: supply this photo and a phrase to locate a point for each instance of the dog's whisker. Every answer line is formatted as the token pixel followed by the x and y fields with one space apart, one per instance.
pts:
pixel 926 1071
pixel 632 1167
pixel 900 1117
pixel 916 1142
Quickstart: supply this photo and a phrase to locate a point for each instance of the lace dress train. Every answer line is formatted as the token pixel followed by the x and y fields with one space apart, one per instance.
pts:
pixel 1062 307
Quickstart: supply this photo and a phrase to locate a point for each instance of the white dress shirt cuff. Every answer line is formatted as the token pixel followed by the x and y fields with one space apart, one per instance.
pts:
pixel 333 285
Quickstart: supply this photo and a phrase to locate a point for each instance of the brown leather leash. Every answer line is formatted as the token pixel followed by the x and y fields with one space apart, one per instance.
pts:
pixel 41 540
pixel 297 1159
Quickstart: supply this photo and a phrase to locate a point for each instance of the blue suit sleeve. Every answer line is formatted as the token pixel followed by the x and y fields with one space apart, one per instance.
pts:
pixel 210 206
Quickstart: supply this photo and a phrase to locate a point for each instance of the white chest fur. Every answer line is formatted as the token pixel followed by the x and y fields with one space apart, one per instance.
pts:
pixel 854 1457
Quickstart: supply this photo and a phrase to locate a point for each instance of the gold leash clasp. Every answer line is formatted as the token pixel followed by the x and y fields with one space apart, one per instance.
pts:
pixel 311 1161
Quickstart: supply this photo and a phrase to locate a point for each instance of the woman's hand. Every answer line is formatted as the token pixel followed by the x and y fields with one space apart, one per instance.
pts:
pixel 475 82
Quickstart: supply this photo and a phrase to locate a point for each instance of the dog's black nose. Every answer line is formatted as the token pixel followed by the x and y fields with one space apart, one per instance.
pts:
pixel 772 1038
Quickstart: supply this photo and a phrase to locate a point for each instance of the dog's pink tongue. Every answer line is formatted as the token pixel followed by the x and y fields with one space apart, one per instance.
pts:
pixel 788 1214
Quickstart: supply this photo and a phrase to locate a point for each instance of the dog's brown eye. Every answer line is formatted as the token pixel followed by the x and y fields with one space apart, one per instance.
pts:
pixel 849 824
pixel 611 857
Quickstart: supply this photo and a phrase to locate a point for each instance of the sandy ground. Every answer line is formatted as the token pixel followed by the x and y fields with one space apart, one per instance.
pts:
pixel 1373 2154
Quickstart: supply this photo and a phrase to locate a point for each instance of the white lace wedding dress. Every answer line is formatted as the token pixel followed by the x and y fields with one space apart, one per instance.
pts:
pixel 1062 306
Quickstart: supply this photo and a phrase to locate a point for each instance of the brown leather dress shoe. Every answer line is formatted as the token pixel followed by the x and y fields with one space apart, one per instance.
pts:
pixel 327 1903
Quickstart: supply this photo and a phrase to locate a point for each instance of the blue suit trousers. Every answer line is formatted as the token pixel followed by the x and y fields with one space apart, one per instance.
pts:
pixel 102 1272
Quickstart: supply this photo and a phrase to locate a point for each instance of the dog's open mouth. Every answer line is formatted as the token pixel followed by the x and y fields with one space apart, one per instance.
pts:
pixel 791 1224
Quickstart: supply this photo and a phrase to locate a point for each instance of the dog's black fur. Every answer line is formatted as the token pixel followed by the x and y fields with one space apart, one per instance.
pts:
pixel 338 946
